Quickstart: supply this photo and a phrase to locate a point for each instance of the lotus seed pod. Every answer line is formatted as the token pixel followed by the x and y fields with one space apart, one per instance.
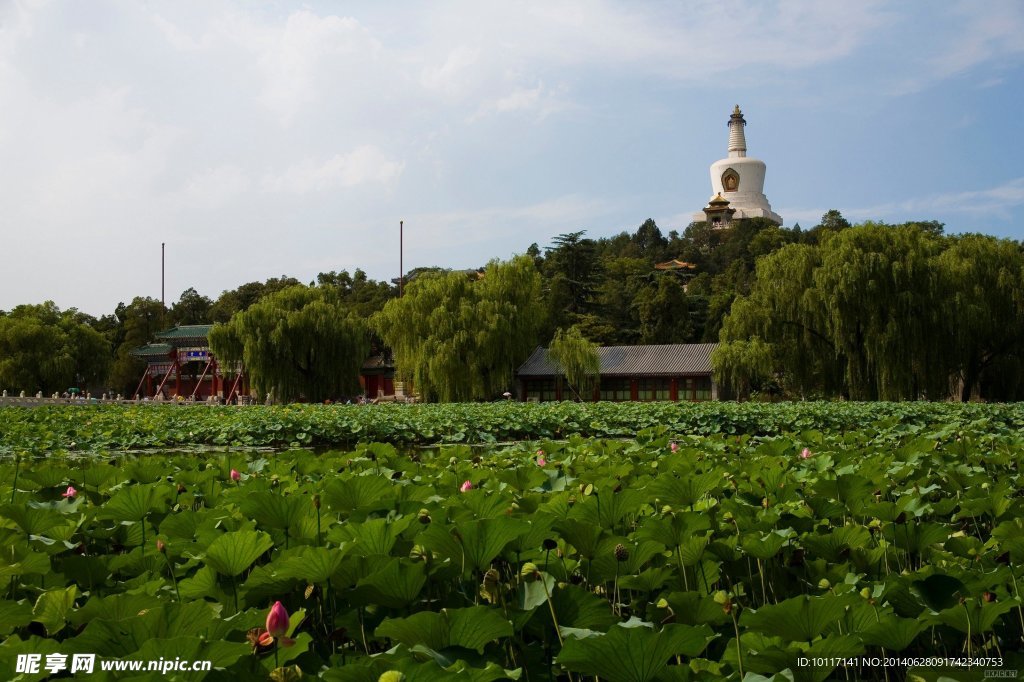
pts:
pixel 549 544
pixel 181 488
pixel 621 553
pixel 866 593
pixel 316 501
pixel 424 516
pixel 391 676
pixel 824 584
pixel 528 570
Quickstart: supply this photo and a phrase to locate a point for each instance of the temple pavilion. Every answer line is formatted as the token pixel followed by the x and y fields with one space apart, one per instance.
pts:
pixel 179 364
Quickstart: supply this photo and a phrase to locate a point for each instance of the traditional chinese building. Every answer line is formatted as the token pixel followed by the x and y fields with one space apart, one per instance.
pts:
pixel 180 365
pixel 377 376
pixel 676 372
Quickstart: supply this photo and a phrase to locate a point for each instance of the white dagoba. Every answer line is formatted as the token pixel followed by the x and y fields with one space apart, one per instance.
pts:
pixel 739 180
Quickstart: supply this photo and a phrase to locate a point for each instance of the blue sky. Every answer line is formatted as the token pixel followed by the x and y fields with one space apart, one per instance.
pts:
pixel 260 139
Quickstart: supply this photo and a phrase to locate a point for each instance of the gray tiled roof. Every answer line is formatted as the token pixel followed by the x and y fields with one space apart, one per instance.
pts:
pixel 186 331
pixel 151 350
pixel 678 359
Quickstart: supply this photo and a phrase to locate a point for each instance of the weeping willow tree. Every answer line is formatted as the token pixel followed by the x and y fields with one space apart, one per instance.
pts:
pixel 459 337
pixel 296 343
pixel 775 337
pixel 577 361
pixel 863 313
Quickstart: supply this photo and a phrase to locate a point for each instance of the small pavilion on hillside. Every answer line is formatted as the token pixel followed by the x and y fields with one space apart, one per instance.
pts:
pixel 179 364
pixel 678 372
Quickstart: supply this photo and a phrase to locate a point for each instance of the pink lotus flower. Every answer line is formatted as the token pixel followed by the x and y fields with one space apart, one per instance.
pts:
pixel 805 454
pixel 541 461
pixel 468 485
pixel 674 446
pixel 235 476
pixel 277 627
pixel 69 493
pixel 277 620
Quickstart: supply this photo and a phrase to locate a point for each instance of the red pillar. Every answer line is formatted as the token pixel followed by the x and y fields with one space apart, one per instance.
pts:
pixel 213 376
pixel 673 390
pixel 634 389
pixel 177 376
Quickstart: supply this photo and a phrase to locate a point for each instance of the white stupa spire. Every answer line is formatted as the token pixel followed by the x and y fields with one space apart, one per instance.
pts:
pixel 737 183
pixel 737 141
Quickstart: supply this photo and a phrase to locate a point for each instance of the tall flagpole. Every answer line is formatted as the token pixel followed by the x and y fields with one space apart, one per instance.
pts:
pixel 162 304
pixel 401 265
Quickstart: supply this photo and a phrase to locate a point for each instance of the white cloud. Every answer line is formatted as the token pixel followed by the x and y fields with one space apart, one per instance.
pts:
pixel 214 187
pixel 451 76
pixel 987 33
pixel 364 165
pixel 297 58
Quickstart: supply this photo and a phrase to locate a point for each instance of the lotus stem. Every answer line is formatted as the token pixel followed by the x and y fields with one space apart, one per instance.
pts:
pixel 17 468
pixel 739 649
pixel 1020 611
pixel 174 581
pixel 968 612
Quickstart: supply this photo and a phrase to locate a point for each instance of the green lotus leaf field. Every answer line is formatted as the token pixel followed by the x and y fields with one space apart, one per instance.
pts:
pixel 617 542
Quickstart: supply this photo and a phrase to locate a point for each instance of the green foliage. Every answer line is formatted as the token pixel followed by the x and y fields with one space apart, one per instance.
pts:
pixel 461 338
pixel 135 325
pixel 626 557
pixel 577 361
pixel 880 312
pixel 296 343
pixel 45 349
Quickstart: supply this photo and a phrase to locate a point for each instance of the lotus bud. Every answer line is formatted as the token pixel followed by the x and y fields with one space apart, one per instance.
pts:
pixel 805 453
pixel 161 546
pixel 277 620
pixel 316 501
pixel 69 493
pixel 621 553
pixel 723 599
pixel 674 447
pixel 235 476
pixel 466 486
